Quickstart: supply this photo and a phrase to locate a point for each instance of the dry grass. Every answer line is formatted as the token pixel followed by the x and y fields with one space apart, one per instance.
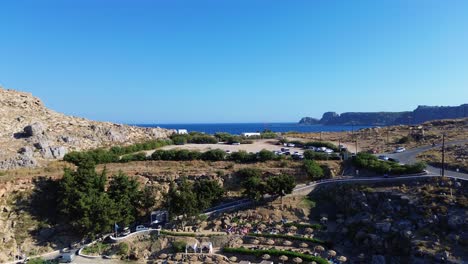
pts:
pixel 455 157
pixel 53 169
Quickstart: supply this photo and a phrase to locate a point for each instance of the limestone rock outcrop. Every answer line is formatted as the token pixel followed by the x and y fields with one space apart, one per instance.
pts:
pixel 31 134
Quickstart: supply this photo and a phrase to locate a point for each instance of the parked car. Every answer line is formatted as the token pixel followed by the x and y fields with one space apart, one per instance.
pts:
pixel 394 160
pixel 383 157
pixel 400 149
pixel 228 151
pixel 141 228
pixel 125 231
pixel 236 143
pixel 291 145
pixel 328 151
pixel 66 257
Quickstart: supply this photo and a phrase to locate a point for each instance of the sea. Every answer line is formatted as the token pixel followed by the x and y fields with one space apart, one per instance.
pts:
pixel 239 128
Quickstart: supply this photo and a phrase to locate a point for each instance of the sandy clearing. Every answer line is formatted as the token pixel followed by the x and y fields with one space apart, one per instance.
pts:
pixel 256 146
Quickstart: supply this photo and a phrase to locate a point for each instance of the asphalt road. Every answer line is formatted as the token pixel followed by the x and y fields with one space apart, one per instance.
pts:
pixel 409 156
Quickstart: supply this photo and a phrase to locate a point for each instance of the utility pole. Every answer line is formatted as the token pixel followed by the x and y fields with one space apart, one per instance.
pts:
pixel 388 141
pixel 443 154
pixel 356 146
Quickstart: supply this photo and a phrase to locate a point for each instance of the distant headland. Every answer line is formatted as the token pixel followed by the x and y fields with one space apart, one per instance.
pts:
pixel 421 114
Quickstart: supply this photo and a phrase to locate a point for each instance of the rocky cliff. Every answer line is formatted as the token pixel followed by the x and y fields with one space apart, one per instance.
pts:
pixel 420 115
pixel 30 133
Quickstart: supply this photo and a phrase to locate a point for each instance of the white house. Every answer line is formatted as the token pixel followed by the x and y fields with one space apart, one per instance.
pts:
pixel 251 134
pixel 182 131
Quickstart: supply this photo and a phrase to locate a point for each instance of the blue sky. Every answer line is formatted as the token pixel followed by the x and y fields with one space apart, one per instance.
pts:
pixel 234 61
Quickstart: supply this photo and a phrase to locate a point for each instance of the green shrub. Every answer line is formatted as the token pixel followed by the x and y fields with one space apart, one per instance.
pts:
pixel 214 155
pixel 312 155
pixel 242 156
pixel 246 173
pixel 102 156
pixel 266 155
pixel 372 163
pixel 122 249
pixel 313 169
pixel 178 246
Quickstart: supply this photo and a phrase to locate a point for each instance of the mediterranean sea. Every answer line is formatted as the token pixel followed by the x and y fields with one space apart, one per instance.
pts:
pixel 238 128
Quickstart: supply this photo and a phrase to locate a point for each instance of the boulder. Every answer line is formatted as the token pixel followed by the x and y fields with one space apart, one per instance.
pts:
pixel 34 129
pixel 58 152
pixel 115 135
pixel 42 144
pixel 26 151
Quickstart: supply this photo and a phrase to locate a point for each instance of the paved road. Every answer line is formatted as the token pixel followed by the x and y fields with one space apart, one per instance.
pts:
pixel 409 156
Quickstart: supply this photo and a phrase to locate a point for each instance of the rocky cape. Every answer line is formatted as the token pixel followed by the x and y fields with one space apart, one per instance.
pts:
pixel 420 115
pixel 31 134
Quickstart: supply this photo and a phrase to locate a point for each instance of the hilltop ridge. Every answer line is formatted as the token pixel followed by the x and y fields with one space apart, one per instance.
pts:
pixel 420 115
pixel 31 132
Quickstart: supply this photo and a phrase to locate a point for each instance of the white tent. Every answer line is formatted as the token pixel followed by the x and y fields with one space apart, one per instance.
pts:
pixel 191 247
pixel 206 247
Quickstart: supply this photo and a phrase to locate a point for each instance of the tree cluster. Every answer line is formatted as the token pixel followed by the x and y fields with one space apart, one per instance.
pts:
pixel 186 200
pixel 255 187
pixel 90 209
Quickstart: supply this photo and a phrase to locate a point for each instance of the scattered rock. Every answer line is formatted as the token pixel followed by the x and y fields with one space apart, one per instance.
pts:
pixel 34 129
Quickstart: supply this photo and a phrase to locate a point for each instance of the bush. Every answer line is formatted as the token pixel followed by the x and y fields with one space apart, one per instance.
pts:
pixel 178 246
pixel 179 140
pixel 312 155
pixel 313 169
pixel 242 156
pixel 266 155
pixel 141 156
pixel 122 249
pixel 214 155
pixel 102 156
pixel 372 163
pixel 246 173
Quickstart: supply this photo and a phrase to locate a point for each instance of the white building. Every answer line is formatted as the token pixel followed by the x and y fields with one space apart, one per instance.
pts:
pixel 251 134
pixel 182 131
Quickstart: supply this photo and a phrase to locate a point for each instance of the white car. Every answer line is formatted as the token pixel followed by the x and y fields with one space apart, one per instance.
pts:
pixel 328 151
pixel 141 228
pixel 400 149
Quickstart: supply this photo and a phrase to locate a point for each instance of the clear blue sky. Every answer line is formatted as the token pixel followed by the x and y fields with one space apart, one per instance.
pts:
pixel 234 60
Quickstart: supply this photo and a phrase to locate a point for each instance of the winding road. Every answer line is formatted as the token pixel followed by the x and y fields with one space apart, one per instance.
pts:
pixel 409 156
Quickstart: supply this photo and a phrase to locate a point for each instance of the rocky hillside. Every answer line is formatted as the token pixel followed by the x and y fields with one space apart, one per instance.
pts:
pixel 420 115
pixel 422 222
pixel 31 133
